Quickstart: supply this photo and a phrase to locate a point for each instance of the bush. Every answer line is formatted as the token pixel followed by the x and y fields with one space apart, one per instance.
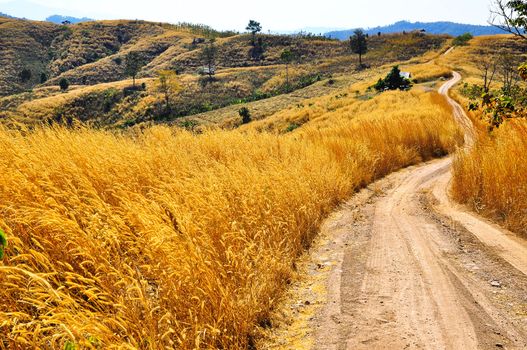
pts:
pixel 462 40
pixel 25 75
pixel 64 84
pixel 245 114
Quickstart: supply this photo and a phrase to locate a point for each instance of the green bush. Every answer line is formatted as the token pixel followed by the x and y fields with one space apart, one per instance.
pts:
pixel 462 40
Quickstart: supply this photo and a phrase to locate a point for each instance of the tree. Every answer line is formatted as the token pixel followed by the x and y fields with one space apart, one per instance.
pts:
pixel 287 58
pixel 208 55
pixel 245 114
pixel 25 75
pixel 43 78
pixel 507 103
pixel 393 81
pixel 510 16
pixel 134 63
pixel 359 44
pixel 488 66
pixel 255 28
pixel 168 85
pixel 64 84
pixel 508 72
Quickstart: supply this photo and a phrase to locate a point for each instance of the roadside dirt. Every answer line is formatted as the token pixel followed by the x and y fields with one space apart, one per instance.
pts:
pixel 400 266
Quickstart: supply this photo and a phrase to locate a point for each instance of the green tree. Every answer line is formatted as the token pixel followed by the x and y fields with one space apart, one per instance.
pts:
pixel 208 54
pixel 25 75
pixel 255 28
pixel 134 63
pixel 393 81
pixel 245 114
pixel 287 58
pixel 64 84
pixel 359 44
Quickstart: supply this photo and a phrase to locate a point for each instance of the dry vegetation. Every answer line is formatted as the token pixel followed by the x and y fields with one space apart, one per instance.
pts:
pixel 91 56
pixel 162 238
pixel 492 177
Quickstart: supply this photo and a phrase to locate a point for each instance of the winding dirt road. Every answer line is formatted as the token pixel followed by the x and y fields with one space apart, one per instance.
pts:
pixel 406 268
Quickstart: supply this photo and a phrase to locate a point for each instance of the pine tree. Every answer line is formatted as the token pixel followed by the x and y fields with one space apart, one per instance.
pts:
pixel 359 44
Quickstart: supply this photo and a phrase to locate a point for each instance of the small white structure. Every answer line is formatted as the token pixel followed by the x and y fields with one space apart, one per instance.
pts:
pixel 406 75
pixel 207 71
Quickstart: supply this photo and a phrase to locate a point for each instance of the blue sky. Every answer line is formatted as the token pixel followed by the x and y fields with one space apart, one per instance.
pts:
pixel 273 14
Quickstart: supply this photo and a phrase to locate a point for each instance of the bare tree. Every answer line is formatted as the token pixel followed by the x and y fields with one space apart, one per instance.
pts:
pixel 488 66
pixel 508 71
pixel 208 54
pixel 510 16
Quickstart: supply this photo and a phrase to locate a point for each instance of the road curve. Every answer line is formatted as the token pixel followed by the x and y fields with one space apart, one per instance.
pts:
pixel 412 270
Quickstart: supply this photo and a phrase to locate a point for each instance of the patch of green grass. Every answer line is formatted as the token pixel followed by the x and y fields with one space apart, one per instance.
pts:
pixel 3 243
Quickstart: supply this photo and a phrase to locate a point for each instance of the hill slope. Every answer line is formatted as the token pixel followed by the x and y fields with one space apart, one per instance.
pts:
pixel 92 57
pixel 448 28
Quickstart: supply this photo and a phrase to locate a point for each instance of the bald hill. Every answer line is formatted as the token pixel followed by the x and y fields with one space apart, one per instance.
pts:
pixel 92 57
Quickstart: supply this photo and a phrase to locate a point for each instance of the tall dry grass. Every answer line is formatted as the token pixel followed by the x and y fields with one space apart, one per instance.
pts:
pixel 492 177
pixel 163 239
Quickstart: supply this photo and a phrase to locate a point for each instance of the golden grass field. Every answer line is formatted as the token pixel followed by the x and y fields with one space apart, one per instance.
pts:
pixel 161 238
pixel 492 177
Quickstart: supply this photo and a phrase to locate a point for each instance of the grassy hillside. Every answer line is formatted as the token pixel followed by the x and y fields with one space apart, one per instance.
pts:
pixel 23 45
pixel 91 56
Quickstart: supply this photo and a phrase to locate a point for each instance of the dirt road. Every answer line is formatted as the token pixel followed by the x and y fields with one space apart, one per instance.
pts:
pixel 405 268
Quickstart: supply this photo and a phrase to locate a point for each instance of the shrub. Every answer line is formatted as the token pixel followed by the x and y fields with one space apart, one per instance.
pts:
pixel 462 40
pixel 64 84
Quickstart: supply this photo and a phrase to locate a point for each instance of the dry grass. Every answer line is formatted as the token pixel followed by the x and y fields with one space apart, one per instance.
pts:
pixel 162 238
pixel 426 72
pixel 349 104
pixel 492 177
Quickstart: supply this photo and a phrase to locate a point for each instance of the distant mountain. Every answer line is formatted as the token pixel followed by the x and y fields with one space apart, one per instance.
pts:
pixel 449 28
pixel 58 19
pixel 7 16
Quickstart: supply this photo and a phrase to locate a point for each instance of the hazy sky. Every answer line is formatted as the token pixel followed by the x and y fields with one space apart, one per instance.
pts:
pixel 273 14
